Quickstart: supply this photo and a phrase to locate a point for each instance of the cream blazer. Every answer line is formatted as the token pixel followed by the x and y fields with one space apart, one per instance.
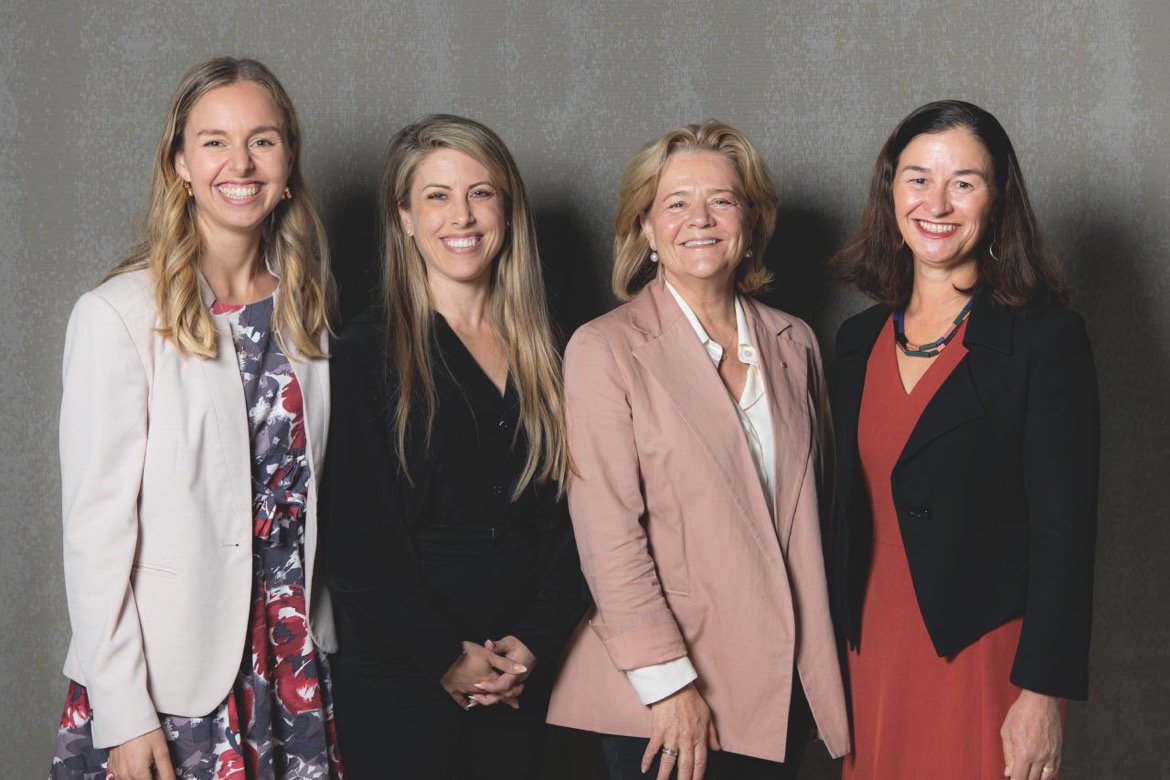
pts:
pixel 157 506
pixel 678 545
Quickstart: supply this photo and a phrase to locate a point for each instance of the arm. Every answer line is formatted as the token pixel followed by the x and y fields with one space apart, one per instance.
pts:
pixel 367 550
pixel 103 434
pixel 1061 435
pixel 561 597
pixel 606 505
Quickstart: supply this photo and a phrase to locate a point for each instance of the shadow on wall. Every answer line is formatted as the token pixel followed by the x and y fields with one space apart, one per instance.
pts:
pixel 1133 370
pixel 353 225
pixel 577 283
pixel 798 256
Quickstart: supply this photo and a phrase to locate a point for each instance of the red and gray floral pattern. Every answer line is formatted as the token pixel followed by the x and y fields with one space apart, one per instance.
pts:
pixel 277 722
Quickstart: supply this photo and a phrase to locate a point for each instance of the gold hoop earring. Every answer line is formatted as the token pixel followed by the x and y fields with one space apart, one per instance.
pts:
pixel 187 187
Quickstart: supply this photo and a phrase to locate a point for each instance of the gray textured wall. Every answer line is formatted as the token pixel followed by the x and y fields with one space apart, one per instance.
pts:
pixel 1083 86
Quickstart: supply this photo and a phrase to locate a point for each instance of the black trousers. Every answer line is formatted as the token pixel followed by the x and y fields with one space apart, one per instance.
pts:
pixel 623 755
pixel 394 722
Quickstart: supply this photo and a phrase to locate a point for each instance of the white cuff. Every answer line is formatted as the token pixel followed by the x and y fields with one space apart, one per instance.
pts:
pixel 656 682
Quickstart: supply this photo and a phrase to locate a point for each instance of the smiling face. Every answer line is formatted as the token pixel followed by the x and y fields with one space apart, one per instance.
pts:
pixel 699 222
pixel 943 196
pixel 236 158
pixel 457 216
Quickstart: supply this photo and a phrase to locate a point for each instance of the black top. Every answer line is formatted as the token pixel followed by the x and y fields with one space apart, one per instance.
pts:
pixel 375 512
pixel 995 490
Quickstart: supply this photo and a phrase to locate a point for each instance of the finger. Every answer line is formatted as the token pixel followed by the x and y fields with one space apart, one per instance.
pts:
pixel 652 748
pixel 162 763
pixel 713 736
pixel 505 665
pixel 666 764
pixel 700 761
pixel 500 682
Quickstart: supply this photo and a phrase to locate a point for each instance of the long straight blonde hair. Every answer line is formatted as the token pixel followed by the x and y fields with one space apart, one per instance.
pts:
pixel 293 240
pixel 519 308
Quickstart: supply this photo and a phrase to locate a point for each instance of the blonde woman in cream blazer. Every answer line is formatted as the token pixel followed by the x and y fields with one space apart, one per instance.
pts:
pixel 697 503
pixel 193 424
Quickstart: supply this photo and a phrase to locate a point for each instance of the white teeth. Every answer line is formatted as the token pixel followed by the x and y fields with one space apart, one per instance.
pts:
pixel 932 227
pixel 701 242
pixel 461 243
pixel 238 192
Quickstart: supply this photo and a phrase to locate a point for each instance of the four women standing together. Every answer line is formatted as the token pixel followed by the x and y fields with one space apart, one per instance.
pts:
pixel 692 436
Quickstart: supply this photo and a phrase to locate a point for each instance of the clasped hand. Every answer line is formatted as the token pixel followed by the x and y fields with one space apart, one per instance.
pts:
pixel 490 673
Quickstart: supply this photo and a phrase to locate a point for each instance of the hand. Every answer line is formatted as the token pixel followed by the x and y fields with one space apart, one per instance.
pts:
pixel 477 663
pixel 507 687
pixel 1031 737
pixel 683 723
pixel 132 760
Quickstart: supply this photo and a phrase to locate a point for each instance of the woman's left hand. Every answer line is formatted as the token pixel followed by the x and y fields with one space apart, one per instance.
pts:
pixel 1031 736
pixel 506 687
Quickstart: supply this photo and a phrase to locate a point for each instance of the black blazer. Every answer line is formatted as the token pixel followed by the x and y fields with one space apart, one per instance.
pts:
pixel 996 492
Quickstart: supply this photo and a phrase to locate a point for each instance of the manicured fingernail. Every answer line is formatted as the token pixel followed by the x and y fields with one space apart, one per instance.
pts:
pixel 518 669
pixel 477 685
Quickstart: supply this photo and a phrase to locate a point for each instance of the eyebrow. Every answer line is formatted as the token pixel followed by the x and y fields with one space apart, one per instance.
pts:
pixel 963 172
pixel 469 186
pixel 688 192
pixel 254 131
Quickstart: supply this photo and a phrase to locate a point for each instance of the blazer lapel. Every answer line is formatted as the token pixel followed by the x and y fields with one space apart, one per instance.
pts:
pixel 784 365
pixel 226 390
pixel 957 400
pixel 683 370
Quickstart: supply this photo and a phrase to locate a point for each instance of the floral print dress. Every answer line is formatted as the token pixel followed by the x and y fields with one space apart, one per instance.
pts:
pixel 277 721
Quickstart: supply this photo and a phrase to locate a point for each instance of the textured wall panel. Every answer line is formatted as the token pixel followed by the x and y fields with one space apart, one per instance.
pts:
pixel 575 88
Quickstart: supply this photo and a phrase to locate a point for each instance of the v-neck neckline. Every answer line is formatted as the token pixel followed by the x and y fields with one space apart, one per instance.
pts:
pixel 475 369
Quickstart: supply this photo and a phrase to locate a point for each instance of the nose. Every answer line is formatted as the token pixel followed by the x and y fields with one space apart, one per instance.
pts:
pixel 938 201
pixel 700 216
pixel 241 160
pixel 461 213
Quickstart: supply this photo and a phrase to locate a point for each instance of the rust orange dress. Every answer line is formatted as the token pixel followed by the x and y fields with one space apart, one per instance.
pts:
pixel 915 714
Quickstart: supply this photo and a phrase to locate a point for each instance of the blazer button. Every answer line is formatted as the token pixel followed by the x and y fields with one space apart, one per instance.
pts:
pixel 918 512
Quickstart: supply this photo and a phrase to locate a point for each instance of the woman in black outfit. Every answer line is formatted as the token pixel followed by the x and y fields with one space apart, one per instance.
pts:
pixel 447 538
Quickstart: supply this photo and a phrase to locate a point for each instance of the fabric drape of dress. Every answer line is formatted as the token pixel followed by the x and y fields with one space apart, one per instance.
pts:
pixel 277 721
pixel 916 714
pixel 424 555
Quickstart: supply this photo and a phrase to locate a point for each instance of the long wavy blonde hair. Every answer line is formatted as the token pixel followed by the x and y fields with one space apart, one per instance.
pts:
pixel 519 307
pixel 632 267
pixel 293 240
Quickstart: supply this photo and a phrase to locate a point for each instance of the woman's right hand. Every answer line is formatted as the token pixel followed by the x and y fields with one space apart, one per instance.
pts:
pixel 476 664
pixel 133 760
pixel 681 722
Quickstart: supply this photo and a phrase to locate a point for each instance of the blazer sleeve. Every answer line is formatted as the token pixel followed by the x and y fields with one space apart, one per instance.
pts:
pixel 369 562
pixel 1060 458
pixel 103 434
pixel 561 597
pixel 606 503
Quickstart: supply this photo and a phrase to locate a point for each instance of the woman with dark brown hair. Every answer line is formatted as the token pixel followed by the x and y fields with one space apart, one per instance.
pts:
pixel 967 439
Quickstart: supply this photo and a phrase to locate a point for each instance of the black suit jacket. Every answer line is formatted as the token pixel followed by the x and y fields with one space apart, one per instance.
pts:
pixel 996 492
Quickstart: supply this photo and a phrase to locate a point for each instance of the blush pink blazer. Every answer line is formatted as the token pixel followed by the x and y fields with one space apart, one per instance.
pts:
pixel 156 484
pixel 676 540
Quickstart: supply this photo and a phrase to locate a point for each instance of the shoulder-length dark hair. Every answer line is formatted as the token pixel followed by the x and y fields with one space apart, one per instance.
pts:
pixel 1013 265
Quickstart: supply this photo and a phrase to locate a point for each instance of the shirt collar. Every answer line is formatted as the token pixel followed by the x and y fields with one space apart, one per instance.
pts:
pixel 746 352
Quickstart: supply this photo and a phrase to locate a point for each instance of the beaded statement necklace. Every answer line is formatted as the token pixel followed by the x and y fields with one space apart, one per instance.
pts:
pixel 934 347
